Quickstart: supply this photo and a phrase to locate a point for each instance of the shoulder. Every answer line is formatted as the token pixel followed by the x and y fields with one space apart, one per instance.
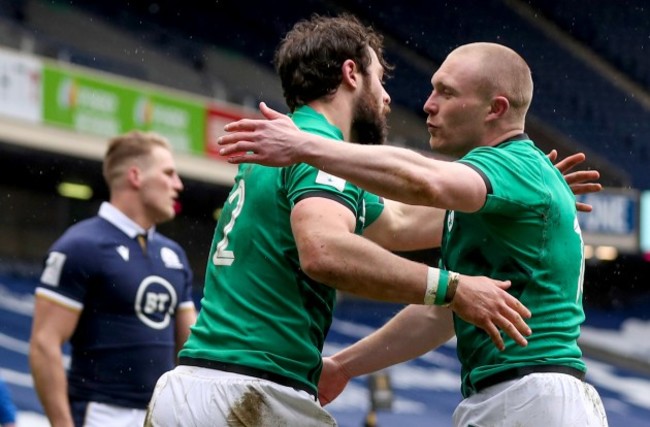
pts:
pixel 504 149
pixel 85 232
pixel 513 156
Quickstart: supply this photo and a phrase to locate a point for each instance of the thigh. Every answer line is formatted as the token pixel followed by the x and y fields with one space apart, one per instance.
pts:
pixel 536 400
pixel 204 397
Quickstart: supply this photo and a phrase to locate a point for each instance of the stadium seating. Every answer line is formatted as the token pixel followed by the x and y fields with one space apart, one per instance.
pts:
pixel 571 97
pixel 618 31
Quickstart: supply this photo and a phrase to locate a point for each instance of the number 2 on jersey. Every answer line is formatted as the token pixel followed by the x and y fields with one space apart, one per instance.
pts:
pixel 223 256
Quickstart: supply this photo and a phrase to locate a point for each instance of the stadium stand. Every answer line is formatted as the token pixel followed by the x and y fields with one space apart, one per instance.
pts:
pixel 618 31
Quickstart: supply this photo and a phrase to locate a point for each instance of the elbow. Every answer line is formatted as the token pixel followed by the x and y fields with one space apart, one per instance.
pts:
pixel 423 188
pixel 314 267
pixel 428 193
pixel 36 351
pixel 40 350
pixel 317 260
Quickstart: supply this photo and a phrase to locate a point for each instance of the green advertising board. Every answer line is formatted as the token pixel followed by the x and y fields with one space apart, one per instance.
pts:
pixel 101 106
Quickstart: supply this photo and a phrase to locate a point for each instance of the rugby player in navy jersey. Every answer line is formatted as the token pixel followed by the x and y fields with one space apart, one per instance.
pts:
pixel 118 291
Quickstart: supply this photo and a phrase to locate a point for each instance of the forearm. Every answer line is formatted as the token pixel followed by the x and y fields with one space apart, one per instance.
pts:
pixel 51 384
pixel 356 265
pixel 403 227
pixel 391 172
pixel 411 333
pixel 330 253
pixel 185 318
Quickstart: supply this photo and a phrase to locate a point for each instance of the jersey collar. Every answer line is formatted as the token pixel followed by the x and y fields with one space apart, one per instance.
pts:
pixel 116 217
pixel 519 137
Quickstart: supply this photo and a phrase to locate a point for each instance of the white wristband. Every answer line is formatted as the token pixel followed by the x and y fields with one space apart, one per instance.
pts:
pixel 433 276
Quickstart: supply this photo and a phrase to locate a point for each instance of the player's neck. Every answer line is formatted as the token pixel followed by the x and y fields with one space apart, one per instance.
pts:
pixel 337 111
pixel 132 208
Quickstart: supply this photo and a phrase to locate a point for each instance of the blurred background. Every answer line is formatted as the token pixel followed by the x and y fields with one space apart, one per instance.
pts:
pixel 73 73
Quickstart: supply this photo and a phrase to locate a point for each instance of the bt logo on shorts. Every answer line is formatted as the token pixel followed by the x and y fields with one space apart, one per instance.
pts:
pixel 155 302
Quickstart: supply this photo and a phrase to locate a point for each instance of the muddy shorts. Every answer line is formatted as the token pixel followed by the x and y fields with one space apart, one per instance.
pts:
pixel 202 397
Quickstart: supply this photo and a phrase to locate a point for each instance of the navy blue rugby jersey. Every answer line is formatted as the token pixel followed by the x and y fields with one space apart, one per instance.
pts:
pixel 128 299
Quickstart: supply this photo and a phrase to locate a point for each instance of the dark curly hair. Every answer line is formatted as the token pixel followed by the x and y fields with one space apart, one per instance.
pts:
pixel 310 57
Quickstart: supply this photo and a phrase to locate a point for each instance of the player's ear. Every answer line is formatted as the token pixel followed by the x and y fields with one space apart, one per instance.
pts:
pixel 350 73
pixel 134 176
pixel 498 107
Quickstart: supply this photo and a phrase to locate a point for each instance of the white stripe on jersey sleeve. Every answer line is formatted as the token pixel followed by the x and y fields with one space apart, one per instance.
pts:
pixel 59 299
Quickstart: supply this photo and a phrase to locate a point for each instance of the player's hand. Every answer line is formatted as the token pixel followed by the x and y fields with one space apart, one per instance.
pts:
pixel 333 380
pixel 579 181
pixel 271 141
pixel 485 303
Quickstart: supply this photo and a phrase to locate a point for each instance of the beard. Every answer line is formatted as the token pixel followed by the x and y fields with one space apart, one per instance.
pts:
pixel 369 126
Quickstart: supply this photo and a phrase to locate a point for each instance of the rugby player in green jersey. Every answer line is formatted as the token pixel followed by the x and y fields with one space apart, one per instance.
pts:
pixel 511 215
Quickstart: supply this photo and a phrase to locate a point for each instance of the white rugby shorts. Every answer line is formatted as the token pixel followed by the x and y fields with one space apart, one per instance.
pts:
pixel 102 415
pixel 203 397
pixel 535 400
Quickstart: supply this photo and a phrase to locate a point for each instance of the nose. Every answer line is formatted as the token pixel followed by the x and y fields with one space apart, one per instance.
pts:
pixel 178 183
pixel 386 98
pixel 430 107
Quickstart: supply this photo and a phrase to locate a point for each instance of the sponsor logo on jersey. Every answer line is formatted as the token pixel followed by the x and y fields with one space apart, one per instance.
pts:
pixel 53 266
pixel 155 302
pixel 123 251
pixel 450 220
pixel 331 180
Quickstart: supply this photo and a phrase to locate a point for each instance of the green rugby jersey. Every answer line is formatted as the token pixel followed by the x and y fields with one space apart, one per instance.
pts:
pixel 527 232
pixel 259 309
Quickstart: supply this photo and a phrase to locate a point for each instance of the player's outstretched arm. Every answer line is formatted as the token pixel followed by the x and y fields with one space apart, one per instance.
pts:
pixel 418 329
pixel 393 172
pixel 332 254
pixel 414 331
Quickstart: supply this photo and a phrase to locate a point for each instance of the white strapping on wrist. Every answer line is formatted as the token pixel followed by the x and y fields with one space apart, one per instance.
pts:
pixel 433 276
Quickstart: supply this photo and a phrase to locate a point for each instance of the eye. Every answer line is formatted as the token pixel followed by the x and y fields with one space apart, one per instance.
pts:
pixel 444 91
